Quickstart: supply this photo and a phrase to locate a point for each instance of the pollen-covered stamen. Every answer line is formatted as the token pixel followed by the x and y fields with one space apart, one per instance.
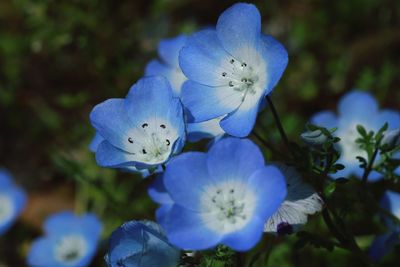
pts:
pixel 242 77
pixel 228 206
pixel 70 249
pixel 151 141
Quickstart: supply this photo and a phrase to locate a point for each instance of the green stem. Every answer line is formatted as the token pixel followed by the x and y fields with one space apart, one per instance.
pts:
pixel 278 121
pixel 370 164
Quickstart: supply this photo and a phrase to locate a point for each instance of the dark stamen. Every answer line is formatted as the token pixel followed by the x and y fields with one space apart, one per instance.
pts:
pixel 144 125
pixel 130 140
pixel 144 151
pixel 163 126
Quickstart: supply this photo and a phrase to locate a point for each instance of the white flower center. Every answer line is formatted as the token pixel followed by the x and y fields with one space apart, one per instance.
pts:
pixel 70 249
pixel 227 206
pixel 348 146
pixel 6 208
pixel 152 141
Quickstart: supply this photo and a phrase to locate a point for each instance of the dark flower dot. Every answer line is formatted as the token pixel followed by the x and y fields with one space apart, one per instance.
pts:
pixel 232 61
pixel 130 140
pixel 230 83
pixel 163 126
pixel 224 74
pixel 144 151
pixel 168 142
pixel 144 125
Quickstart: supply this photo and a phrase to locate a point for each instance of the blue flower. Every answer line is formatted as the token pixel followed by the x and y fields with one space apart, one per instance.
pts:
pixel 12 201
pixel 230 70
pixel 384 243
pixel 143 130
pixel 221 197
pixel 70 241
pixel 301 200
pixel 355 108
pixel 141 243
pixel 169 68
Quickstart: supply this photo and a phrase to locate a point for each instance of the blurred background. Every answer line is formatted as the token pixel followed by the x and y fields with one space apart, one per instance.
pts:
pixel 59 58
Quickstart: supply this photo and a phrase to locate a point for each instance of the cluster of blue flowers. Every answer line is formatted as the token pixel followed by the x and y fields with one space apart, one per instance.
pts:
pixel 212 84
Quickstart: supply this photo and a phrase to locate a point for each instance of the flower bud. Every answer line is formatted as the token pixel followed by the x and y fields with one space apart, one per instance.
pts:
pixel 391 139
pixel 314 138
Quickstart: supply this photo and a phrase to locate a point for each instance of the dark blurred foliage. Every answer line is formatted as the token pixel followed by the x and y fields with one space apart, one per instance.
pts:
pixel 58 58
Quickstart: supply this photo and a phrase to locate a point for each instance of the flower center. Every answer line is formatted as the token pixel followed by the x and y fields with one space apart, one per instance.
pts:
pixel 227 207
pixel 242 78
pixel 6 208
pixel 151 142
pixel 70 249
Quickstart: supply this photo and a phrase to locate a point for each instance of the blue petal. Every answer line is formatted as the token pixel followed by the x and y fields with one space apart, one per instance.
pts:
pixel 233 157
pixel 185 229
pixel 325 119
pixel 205 103
pixel 203 59
pixel 152 97
pixel 239 28
pixel 268 184
pixel 158 193
pixel 111 121
pixel 67 222
pixel 391 203
pixel 276 57
pixel 108 155
pixel 357 104
pixel 5 179
pixel 392 117
pixel 246 238
pixel 240 122
pixel 97 139
pixel 205 129
pixel 185 177
pixel 380 246
pixel 169 49
pixel 156 68
pixel 40 254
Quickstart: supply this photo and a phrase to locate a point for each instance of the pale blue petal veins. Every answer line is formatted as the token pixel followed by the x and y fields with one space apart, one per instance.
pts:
pixel 239 29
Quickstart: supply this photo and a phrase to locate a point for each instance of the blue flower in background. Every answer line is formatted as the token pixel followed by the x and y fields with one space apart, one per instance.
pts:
pixel 12 201
pixel 141 243
pixel 384 243
pixel 223 196
pixel 355 108
pixel 143 130
pixel 231 69
pixel 169 68
pixel 69 240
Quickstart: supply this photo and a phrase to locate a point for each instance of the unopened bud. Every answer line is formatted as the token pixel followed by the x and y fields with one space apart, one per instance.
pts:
pixel 391 140
pixel 314 138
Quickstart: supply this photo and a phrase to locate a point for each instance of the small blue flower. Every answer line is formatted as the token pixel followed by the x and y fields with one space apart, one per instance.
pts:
pixel 384 243
pixel 355 108
pixel 301 200
pixel 69 241
pixel 143 130
pixel 221 197
pixel 169 68
pixel 12 201
pixel 141 243
pixel 231 69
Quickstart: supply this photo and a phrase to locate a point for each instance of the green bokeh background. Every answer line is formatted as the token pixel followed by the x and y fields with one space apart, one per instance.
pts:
pixel 58 58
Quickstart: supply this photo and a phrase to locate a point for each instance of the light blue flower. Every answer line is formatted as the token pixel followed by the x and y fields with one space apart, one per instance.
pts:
pixel 169 68
pixel 384 243
pixel 355 108
pixel 12 201
pixel 221 197
pixel 143 130
pixel 69 241
pixel 301 200
pixel 141 243
pixel 231 69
